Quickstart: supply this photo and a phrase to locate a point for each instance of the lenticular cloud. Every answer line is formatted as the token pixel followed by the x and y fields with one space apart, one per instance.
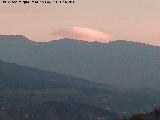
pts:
pixel 81 33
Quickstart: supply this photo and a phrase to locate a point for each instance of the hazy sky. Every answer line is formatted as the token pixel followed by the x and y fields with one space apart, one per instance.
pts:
pixel 137 20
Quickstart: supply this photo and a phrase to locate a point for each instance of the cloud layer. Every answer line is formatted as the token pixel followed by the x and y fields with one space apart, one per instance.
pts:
pixel 81 33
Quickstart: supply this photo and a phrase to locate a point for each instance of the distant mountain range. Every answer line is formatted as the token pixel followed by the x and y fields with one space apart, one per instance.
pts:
pixel 119 63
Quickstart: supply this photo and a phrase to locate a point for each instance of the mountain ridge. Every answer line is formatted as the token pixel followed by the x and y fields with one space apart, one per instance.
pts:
pixel 22 37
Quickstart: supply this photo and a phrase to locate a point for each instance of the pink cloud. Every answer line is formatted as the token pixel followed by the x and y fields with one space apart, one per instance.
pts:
pixel 81 33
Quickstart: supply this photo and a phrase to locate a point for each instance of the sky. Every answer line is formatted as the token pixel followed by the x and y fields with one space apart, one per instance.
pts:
pixel 101 20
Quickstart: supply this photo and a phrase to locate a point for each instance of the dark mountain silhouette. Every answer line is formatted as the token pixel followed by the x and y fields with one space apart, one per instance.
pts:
pixel 118 63
pixel 33 86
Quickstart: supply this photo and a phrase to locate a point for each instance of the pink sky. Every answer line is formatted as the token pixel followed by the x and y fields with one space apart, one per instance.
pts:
pixel 136 20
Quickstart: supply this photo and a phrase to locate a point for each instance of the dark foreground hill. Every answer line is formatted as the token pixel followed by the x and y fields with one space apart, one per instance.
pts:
pixel 118 63
pixel 53 111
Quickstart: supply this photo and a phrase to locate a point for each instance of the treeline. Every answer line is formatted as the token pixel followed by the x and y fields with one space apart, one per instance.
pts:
pixel 154 115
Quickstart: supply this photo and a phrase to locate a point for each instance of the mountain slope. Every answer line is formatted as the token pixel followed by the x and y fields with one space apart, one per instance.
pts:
pixel 32 86
pixel 17 77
